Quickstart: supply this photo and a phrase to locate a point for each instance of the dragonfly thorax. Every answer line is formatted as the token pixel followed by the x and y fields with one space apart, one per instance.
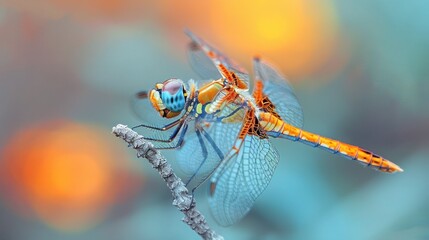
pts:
pixel 169 97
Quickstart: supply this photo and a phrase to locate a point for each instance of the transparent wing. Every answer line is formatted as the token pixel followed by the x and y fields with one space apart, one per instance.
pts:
pixel 243 180
pixel 217 58
pixel 213 137
pixel 204 150
pixel 201 63
pixel 281 94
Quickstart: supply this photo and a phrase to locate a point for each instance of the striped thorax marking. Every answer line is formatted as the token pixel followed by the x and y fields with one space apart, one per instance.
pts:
pixel 199 108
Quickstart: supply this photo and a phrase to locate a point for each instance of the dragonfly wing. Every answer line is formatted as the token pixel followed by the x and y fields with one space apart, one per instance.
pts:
pixel 201 63
pixel 218 59
pixel 280 92
pixel 214 136
pixel 204 149
pixel 243 179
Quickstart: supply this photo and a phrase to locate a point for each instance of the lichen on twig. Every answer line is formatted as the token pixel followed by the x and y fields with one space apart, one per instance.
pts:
pixel 181 197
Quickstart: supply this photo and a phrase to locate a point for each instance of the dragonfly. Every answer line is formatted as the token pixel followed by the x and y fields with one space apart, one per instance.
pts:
pixel 222 131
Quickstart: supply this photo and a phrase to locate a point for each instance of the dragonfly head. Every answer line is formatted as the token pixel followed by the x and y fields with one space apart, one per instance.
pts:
pixel 169 97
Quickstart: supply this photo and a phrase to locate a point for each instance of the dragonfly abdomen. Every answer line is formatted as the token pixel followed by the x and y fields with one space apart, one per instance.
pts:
pixel 277 128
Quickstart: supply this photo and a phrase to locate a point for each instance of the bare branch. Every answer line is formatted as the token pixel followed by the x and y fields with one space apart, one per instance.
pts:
pixel 182 199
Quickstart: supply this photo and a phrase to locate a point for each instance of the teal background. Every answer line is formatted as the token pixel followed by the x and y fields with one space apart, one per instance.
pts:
pixel 83 65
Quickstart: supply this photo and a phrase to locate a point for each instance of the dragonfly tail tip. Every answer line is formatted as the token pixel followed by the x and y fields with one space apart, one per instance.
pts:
pixel 396 168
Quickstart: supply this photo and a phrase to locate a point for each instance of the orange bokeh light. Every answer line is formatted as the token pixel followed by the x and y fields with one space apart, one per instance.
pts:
pixel 299 36
pixel 65 173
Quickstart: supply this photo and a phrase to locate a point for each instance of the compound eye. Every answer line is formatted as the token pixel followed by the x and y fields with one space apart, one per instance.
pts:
pixel 172 86
pixel 173 95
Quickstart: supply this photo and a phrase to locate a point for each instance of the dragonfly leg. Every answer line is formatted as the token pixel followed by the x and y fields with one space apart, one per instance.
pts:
pixel 179 122
pixel 180 141
pixel 213 144
pixel 172 136
pixel 163 128
pixel 204 153
pixel 217 150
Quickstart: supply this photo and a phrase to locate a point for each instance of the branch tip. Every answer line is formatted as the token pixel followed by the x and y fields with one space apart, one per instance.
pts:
pixel 182 199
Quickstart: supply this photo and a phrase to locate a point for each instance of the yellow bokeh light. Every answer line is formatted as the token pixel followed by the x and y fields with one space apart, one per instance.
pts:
pixel 298 36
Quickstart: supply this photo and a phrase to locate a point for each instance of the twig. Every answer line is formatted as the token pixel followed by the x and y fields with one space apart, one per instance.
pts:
pixel 182 199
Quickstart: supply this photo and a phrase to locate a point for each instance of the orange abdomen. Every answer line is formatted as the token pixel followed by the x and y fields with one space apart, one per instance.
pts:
pixel 277 128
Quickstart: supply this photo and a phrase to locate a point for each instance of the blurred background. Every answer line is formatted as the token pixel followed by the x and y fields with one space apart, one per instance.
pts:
pixel 68 70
